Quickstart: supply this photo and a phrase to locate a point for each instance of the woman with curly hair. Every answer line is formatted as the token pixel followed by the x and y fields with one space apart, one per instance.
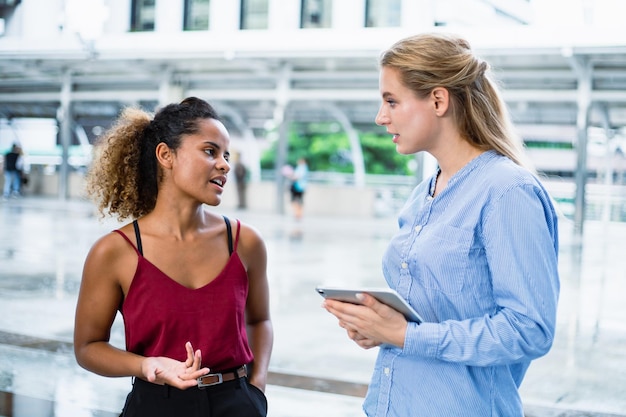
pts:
pixel 182 276
pixel 476 250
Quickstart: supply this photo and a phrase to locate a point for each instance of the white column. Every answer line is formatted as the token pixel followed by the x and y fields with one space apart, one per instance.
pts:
pixel 348 14
pixel 37 19
pixel 284 15
pixel 224 16
pixel 418 14
pixel 169 16
pixel 168 92
pixel 584 68
pixel 119 17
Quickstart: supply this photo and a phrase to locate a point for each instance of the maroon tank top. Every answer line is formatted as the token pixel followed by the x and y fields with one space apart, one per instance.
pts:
pixel 161 315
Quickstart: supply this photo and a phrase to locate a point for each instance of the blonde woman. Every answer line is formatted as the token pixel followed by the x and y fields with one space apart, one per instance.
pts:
pixel 475 253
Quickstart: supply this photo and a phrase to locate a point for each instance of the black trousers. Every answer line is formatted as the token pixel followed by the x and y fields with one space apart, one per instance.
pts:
pixel 237 398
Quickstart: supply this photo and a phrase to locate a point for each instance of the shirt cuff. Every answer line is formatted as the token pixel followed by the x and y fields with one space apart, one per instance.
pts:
pixel 422 339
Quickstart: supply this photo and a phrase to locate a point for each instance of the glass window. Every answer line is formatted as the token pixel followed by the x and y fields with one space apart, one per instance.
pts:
pixel 9 3
pixel 196 15
pixel 254 14
pixel 382 13
pixel 316 13
pixel 142 17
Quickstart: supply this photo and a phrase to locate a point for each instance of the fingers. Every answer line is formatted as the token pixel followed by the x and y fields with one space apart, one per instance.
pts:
pixel 195 371
pixel 190 355
pixel 361 340
pixel 197 360
pixel 367 343
pixel 192 364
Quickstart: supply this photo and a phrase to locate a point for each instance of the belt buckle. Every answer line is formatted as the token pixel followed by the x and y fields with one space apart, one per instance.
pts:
pixel 201 384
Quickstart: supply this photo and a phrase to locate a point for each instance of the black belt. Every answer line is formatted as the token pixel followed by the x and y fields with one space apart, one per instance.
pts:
pixel 220 377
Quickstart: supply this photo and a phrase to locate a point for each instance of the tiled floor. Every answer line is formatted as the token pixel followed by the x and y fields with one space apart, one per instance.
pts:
pixel 43 243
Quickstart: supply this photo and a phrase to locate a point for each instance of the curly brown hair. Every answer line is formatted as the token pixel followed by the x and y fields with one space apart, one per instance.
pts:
pixel 124 177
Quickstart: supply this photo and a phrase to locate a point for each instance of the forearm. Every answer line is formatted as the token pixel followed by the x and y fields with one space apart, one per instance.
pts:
pixel 486 341
pixel 261 339
pixel 104 359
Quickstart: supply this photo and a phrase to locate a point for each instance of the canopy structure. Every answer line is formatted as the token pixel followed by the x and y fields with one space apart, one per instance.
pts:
pixel 563 81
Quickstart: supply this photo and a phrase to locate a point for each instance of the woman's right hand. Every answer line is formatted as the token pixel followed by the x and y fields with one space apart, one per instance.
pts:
pixel 182 375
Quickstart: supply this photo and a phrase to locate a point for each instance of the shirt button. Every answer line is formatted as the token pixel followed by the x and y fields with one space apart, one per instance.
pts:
pixel 429 198
pixel 404 265
pixel 387 371
pixel 418 229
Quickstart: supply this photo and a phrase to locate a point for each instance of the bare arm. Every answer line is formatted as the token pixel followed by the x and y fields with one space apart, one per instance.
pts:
pixel 259 325
pixel 110 266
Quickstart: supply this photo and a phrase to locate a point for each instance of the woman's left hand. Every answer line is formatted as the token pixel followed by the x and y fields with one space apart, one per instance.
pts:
pixel 182 375
pixel 370 324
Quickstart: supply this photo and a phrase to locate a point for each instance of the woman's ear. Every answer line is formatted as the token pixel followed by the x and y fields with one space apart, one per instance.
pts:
pixel 164 155
pixel 441 99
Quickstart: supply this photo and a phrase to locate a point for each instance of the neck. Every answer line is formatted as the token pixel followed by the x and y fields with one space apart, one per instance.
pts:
pixel 451 161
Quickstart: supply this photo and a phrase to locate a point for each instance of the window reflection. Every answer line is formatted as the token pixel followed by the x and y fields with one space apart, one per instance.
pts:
pixel 316 13
pixel 197 14
pixel 142 16
pixel 254 14
pixel 382 13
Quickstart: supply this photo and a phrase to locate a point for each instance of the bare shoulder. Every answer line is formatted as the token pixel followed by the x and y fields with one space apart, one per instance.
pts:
pixel 111 257
pixel 251 247
pixel 250 236
pixel 110 245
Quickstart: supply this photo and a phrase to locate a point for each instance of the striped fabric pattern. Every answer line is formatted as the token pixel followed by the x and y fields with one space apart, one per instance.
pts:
pixel 479 263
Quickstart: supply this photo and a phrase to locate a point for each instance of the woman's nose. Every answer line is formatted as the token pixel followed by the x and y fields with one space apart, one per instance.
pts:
pixel 381 118
pixel 224 165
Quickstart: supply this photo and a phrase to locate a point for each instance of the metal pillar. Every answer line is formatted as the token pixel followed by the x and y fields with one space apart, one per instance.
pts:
pixel 280 119
pixel 608 161
pixel 64 117
pixel 583 68
pixel 252 154
pixel 169 92
pixel 355 145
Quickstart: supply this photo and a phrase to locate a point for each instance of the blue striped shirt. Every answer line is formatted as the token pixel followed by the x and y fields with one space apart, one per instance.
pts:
pixel 479 263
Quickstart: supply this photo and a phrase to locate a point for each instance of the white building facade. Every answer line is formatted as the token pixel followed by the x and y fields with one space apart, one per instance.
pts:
pixel 262 62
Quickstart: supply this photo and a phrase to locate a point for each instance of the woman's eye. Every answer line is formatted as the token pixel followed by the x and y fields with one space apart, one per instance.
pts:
pixel 210 152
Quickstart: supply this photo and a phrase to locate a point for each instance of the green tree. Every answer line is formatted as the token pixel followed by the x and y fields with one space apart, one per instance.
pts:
pixel 329 151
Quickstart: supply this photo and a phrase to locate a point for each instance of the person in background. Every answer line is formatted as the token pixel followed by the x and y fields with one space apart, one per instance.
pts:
pixel 12 172
pixel 299 179
pixel 241 179
pixel 476 250
pixel 190 284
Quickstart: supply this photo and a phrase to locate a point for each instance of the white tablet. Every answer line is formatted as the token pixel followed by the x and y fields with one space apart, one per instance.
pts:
pixel 384 295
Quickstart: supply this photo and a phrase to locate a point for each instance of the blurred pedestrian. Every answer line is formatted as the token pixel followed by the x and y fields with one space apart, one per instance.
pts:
pixel 299 180
pixel 241 179
pixel 12 172
pixel 181 275
pixel 475 253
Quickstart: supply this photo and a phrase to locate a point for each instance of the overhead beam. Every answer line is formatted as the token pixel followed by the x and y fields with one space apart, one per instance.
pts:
pixel 537 96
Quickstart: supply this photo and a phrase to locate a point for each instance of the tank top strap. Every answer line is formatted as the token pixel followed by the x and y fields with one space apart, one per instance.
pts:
pixel 138 237
pixel 229 231
pixel 237 234
pixel 119 232
pixel 229 235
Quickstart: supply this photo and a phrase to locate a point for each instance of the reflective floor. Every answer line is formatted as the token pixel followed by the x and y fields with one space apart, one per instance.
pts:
pixel 315 369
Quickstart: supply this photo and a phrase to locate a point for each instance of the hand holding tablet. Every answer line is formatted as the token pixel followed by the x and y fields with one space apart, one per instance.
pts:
pixel 384 295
